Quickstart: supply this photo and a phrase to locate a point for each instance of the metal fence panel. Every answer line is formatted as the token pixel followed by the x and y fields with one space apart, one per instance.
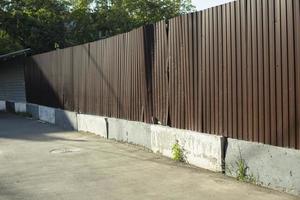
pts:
pixel 231 70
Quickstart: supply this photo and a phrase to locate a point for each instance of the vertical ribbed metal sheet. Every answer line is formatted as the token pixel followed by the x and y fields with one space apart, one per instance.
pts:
pixel 231 70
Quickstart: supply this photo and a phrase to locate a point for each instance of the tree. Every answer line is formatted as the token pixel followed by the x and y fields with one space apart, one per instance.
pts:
pixel 37 24
pixel 124 15
pixel 42 25
pixel 7 44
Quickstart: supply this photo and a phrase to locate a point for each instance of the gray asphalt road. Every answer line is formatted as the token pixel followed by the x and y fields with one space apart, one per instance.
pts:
pixel 40 161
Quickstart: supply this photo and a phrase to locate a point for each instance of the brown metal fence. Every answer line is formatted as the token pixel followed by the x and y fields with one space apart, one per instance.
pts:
pixel 105 77
pixel 231 70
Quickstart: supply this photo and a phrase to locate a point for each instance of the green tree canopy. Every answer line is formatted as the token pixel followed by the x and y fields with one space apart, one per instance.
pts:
pixel 42 24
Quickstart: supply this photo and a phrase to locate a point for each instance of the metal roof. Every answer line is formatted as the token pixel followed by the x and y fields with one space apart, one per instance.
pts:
pixel 14 54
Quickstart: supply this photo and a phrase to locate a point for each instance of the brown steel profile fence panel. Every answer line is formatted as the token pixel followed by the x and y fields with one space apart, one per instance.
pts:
pixel 231 70
pixel 296 12
pixel 160 73
pixel 104 77
pixel 234 71
pixel 43 79
pixel 183 67
pixel 67 79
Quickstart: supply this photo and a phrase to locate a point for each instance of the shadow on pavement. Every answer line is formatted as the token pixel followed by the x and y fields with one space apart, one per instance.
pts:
pixel 20 128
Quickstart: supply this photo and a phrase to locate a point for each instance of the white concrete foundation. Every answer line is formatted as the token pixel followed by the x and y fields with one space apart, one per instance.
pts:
pixel 92 124
pixel 33 109
pixel 274 167
pixel 2 106
pixel 201 150
pixel 129 131
pixel 66 119
pixel 20 107
pixel 47 114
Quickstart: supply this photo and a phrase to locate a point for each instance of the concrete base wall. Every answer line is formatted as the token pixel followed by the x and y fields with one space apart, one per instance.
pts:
pixel 33 110
pixel 270 166
pixel 66 119
pixel 92 124
pixel 201 150
pixel 47 114
pixel 2 106
pixel 10 106
pixel 20 107
pixel 129 131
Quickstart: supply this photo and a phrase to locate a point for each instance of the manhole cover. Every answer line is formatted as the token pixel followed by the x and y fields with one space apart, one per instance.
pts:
pixel 64 150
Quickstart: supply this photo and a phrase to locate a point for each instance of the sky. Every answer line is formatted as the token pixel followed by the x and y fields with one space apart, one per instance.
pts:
pixel 203 4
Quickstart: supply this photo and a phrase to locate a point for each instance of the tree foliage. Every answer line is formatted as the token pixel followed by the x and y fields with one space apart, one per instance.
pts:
pixel 43 24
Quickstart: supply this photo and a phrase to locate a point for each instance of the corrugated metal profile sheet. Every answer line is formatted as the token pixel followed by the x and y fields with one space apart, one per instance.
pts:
pixel 231 70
